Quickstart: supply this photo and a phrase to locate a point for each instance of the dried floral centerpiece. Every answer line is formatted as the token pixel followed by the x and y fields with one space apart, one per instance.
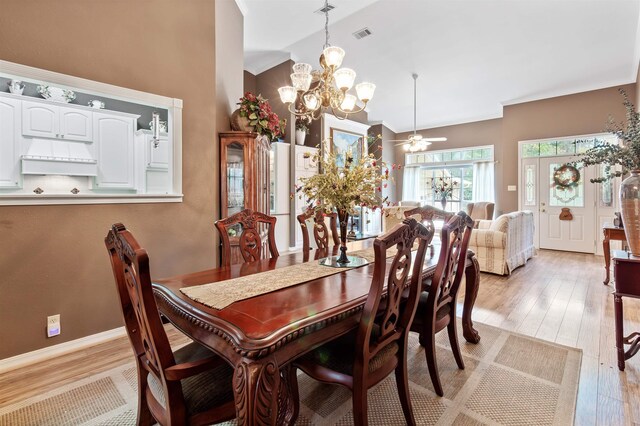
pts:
pixel 255 114
pixel 358 183
pixel 626 158
pixel 443 189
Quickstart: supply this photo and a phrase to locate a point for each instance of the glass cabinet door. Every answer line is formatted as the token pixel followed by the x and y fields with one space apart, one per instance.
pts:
pixel 235 178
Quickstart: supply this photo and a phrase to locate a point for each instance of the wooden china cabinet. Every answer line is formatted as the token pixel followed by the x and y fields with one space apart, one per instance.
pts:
pixel 244 180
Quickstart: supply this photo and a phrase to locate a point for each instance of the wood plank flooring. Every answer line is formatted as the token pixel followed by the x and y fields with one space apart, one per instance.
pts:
pixel 557 296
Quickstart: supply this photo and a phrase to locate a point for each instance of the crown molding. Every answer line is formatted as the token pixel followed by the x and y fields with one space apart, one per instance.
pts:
pixel 385 124
pixel 243 7
pixel 575 91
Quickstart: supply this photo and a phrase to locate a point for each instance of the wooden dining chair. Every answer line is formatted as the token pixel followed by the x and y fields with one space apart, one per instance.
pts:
pixel 428 214
pixel 364 357
pixel 437 305
pixel 249 227
pixel 320 231
pixel 190 386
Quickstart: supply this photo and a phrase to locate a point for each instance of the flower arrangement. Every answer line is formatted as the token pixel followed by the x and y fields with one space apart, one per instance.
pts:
pixel 442 189
pixel 359 183
pixel 260 115
pixel 303 123
pixel 626 155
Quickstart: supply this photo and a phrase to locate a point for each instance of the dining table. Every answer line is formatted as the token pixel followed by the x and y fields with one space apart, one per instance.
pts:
pixel 260 336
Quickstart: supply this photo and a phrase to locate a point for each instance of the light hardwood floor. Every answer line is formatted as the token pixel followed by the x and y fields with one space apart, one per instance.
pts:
pixel 557 297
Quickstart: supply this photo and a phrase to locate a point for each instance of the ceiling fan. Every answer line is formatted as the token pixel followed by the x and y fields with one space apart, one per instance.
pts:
pixel 416 142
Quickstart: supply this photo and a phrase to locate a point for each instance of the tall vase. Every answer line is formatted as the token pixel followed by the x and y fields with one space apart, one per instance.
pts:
pixel 300 135
pixel 630 210
pixel 343 218
pixel 443 203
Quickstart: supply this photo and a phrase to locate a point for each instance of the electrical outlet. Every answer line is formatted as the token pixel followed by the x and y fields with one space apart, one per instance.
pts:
pixel 53 325
pixel 512 188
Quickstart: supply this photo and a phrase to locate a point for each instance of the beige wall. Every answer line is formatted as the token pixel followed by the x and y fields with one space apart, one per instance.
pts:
pixel 577 114
pixel 487 132
pixel 267 84
pixel 53 257
pixel 249 82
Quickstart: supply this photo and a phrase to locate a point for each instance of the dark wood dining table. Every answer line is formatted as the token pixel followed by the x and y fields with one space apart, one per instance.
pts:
pixel 260 336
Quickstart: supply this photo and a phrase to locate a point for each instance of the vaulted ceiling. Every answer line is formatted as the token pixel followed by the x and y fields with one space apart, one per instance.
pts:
pixel 472 56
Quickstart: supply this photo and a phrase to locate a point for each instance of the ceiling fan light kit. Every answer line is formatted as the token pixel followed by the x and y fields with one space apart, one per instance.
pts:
pixel 416 142
pixel 313 92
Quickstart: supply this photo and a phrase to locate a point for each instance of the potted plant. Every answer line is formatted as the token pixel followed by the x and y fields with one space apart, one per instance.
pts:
pixel 620 160
pixel 302 128
pixel 342 189
pixel 255 115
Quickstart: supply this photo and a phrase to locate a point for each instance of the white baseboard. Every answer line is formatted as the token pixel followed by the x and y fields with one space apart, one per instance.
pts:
pixel 43 354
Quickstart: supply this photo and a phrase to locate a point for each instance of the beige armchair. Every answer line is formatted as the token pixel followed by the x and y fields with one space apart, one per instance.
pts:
pixel 481 210
pixel 503 244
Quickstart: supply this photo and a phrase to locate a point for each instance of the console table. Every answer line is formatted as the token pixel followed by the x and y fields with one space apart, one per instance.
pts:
pixel 611 232
pixel 626 271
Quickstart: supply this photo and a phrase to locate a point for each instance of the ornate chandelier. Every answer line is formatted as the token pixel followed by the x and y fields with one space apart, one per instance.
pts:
pixel 315 91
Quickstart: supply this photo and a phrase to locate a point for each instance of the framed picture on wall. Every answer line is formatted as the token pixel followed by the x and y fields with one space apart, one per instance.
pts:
pixel 343 142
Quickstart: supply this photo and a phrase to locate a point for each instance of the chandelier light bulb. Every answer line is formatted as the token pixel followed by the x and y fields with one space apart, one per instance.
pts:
pixel 333 56
pixel 301 81
pixel 302 68
pixel 348 103
pixel 365 91
pixel 288 94
pixel 311 101
pixel 344 78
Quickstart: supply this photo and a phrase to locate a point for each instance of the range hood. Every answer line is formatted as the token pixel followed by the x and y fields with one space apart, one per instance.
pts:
pixel 59 157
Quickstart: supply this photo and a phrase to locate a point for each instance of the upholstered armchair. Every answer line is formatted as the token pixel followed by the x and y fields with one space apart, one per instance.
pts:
pixel 481 210
pixel 503 244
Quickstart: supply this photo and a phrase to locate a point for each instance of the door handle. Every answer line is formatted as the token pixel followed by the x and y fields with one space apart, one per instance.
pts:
pixel 542 204
pixel 543 210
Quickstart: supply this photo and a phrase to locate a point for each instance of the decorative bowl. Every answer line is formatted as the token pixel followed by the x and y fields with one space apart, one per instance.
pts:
pixel 56 94
pixel 96 104
pixel 163 126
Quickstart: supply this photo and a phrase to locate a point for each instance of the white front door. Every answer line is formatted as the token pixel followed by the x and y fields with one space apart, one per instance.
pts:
pixel 571 229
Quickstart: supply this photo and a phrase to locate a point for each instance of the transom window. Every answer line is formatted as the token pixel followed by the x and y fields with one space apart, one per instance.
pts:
pixel 426 173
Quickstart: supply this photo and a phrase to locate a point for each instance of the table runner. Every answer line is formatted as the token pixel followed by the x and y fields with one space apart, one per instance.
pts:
pixel 220 294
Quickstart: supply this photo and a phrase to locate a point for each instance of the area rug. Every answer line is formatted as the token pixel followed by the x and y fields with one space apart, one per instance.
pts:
pixel 509 379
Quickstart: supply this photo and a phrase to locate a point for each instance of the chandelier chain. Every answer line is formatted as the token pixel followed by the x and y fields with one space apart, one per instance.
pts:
pixel 326 24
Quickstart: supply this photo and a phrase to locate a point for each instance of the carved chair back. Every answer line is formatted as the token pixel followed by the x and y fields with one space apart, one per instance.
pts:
pixel 391 322
pixel 251 226
pixel 320 230
pixel 455 236
pixel 428 214
pixel 151 347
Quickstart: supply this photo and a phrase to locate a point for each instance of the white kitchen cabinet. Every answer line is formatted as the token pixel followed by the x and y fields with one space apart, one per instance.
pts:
pixel 113 136
pixel 76 124
pixel 305 166
pixel 152 163
pixel 41 120
pixel 9 143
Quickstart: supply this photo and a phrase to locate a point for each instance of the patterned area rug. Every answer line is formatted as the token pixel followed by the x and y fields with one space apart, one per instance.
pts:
pixel 509 379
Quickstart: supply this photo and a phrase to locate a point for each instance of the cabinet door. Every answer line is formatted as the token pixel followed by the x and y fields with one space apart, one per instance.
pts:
pixel 114 146
pixel 158 156
pixel 76 124
pixel 40 120
pixel 9 143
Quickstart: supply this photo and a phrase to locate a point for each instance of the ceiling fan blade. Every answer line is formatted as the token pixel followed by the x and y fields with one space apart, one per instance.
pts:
pixel 442 139
pixel 403 143
pixel 397 140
